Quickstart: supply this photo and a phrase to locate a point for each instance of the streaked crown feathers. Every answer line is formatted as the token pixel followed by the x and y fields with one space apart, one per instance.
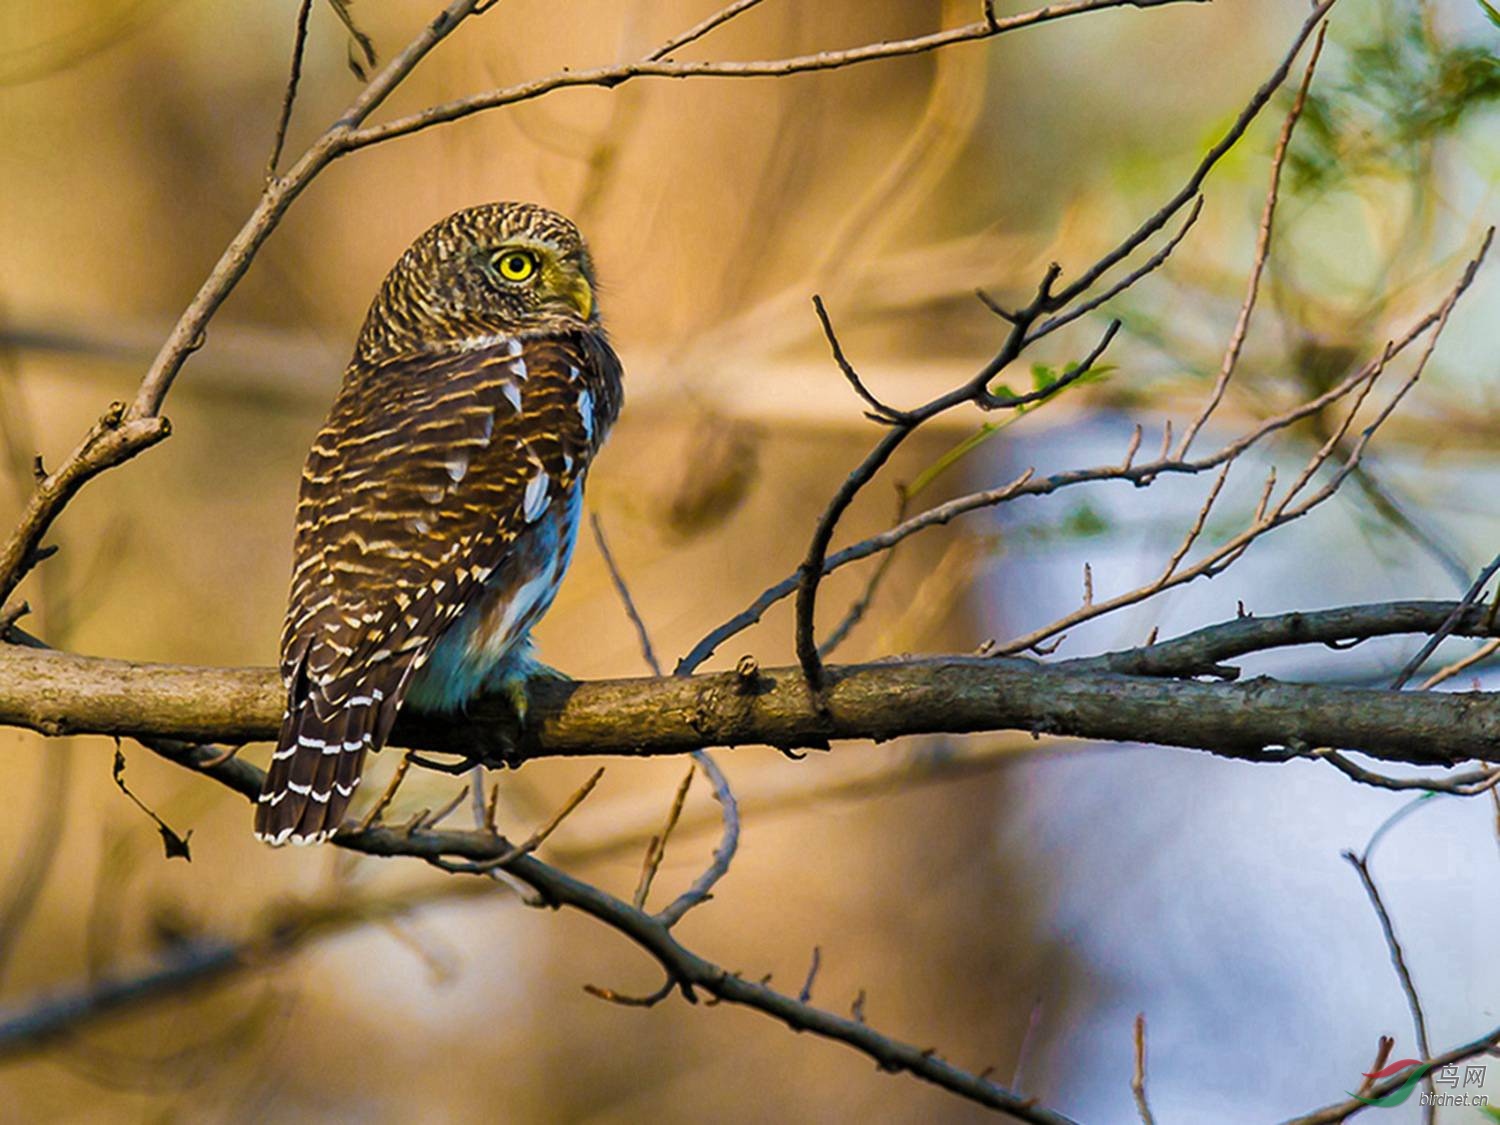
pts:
pixel 448 288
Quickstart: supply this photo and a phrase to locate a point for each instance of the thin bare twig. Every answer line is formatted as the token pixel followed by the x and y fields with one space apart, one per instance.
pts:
pixel 805 993
pixel 1138 473
pixel 861 605
pixel 1151 265
pixel 1033 1022
pixel 389 794
pixel 689 972
pixel 610 77
pixel 880 412
pixel 1289 507
pixel 1382 1056
pixel 656 849
pixel 621 588
pixel 1474 593
pixel 532 842
pixel 698 31
pixel 1211 158
pixel 1468 784
pixel 976 390
pixel 289 97
pixel 1138 1077
pixel 718 867
pixel 625 1000
pixel 729 841
pixel 125 430
pixel 1361 865
pixel 1262 252
pixel 1448 671
pixel 1335 1114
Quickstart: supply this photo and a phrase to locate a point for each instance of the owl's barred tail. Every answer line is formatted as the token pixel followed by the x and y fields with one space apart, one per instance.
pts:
pixel 316 768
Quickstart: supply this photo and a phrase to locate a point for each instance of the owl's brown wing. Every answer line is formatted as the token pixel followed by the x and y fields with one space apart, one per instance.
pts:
pixel 416 489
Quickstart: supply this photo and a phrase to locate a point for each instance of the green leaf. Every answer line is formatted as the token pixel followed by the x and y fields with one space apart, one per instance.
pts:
pixel 955 455
pixel 1083 522
pixel 1492 14
pixel 1042 376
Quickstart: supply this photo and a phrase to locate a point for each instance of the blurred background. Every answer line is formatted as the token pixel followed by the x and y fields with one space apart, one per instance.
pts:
pixel 973 888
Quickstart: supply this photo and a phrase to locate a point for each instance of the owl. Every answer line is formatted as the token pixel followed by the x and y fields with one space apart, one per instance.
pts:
pixel 440 502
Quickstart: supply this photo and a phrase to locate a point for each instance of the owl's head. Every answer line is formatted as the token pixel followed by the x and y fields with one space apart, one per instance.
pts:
pixel 494 270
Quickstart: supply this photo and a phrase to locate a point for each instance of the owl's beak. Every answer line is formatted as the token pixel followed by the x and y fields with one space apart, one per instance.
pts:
pixel 580 295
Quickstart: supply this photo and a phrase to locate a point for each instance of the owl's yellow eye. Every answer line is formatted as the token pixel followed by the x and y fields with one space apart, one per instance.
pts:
pixel 516 265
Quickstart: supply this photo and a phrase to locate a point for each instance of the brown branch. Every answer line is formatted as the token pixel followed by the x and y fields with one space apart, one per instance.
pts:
pixel 861 605
pixel 125 430
pixel 113 440
pixel 289 97
pixel 1361 865
pixel 1262 252
pixel 1448 671
pixel 537 838
pixel 691 973
pixel 698 31
pixel 687 971
pixel 58 693
pixel 1138 1076
pixel 729 841
pixel 609 77
pixel 880 412
pixel 35 1024
pixel 1336 1113
pixel 656 849
pixel 623 590
pixel 1151 265
pixel 278 195
pixel 1471 596
pixel 1029 485
pixel 1194 184
pixel 1470 783
pixel 1382 1056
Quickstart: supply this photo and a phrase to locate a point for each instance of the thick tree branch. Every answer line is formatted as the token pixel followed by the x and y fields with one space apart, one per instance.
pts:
pixel 58 693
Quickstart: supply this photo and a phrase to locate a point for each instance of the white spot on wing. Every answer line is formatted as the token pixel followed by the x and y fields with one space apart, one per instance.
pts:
pixel 535 501
pixel 457 468
pixel 512 395
pixel 586 412
pixel 518 365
